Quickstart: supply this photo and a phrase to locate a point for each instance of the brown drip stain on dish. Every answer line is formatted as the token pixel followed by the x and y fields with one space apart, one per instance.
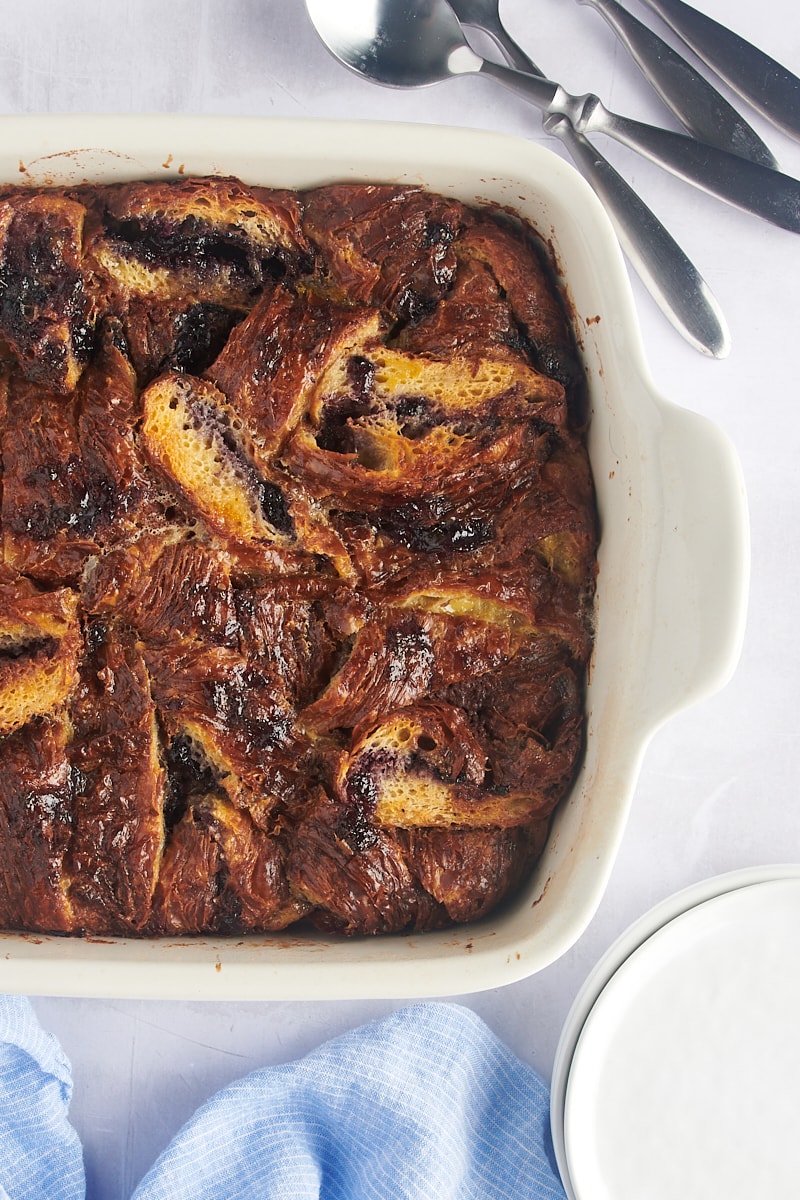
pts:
pixel 59 178
pixel 542 894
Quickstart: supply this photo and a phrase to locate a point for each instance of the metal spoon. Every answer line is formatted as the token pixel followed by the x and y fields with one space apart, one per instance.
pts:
pixel 485 15
pixel 770 88
pixel 409 43
pixel 671 278
pixel 698 106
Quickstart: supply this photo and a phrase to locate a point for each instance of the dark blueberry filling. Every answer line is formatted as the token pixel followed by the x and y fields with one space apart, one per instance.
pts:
pixel 28 647
pixel 460 534
pixel 267 495
pixel 360 375
pixel 335 433
pixel 187 776
pixel 200 334
pixel 194 243
pixel 87 503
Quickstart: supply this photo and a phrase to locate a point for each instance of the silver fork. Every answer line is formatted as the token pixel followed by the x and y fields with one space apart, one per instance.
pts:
pixel 669 276
pixel 700 108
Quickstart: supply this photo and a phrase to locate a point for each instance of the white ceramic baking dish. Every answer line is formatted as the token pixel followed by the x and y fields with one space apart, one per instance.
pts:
pixel 673 562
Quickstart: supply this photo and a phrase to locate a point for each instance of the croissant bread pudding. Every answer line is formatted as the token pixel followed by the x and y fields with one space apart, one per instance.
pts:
pixel 298 558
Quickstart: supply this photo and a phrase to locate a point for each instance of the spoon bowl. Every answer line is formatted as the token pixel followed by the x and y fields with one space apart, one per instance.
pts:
pixel 398 45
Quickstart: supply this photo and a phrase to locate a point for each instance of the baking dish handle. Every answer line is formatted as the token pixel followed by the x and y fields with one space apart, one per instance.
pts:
pixel 702 568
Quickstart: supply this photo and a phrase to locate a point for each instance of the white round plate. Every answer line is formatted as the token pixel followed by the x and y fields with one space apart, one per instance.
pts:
pixel 619 951
pixel 683 1082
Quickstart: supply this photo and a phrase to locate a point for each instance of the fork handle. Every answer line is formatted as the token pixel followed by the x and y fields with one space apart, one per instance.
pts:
pixel 747 185
pixel 770 88
pixel 671 278
pixel 695 102
pixel 512 51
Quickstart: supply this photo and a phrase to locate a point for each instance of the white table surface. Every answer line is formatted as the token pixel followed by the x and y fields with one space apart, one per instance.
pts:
pixel 718 788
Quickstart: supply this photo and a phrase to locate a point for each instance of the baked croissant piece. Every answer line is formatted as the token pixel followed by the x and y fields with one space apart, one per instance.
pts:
pixel 298 558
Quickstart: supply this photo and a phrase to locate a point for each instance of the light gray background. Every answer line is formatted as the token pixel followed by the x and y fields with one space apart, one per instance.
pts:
pixel 718 789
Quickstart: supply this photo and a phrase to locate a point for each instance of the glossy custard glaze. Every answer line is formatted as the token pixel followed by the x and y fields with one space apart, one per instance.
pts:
pixel 298 558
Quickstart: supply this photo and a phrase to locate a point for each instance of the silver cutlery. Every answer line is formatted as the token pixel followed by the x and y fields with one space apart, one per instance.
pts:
pixel 769 87
pixel 669 276
pixel 485 15
pixel 700 108
pixel 410 43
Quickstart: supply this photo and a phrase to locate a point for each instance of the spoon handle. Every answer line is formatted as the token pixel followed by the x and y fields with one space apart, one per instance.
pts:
pixel 747 185
pixel 770 88
pixel 671 278
pixel 698 106
pixel 512 51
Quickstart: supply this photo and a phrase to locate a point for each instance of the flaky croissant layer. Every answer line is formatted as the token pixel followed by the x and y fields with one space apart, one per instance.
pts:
pixel 298 558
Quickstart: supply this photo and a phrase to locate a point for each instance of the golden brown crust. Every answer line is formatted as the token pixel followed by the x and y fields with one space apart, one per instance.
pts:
pixel 44 301
pixel 387 246
pixel 36 807
pixel 298 558
pixel 74 478
pixel 222 873
pixel 271 366
pixel 210 241
pixel 39 651
pixel 469 871
pixel 117 840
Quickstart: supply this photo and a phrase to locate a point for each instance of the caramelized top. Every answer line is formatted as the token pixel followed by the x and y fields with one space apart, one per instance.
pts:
pixel 297 560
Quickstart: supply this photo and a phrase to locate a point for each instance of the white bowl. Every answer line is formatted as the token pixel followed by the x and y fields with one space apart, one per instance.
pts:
pixel 672 585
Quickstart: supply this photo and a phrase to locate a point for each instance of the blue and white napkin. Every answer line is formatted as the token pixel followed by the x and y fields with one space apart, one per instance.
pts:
pixel 426 1104
pixel 40 1155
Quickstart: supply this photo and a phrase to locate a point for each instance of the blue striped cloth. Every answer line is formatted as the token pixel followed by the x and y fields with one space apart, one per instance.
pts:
pixel 40 1155
pixel 426 1104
